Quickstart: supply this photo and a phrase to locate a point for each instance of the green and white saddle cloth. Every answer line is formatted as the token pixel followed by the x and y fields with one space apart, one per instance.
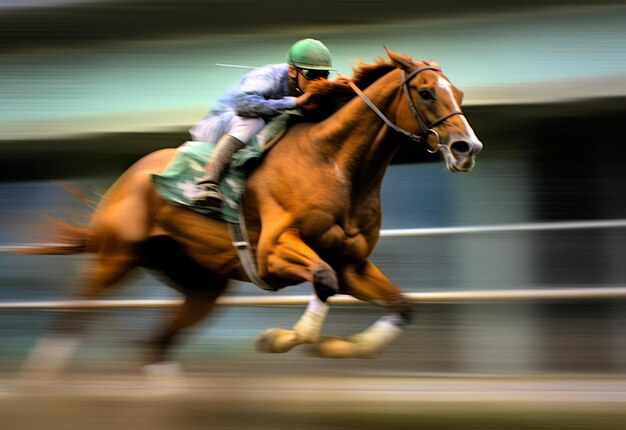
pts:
pixel 177 183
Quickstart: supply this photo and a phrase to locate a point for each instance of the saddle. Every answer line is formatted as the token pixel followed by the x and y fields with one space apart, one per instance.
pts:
pixel 178 182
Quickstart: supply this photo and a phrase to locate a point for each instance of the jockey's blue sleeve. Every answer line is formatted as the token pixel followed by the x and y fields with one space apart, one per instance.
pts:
pixel 255 105
pixel 263 92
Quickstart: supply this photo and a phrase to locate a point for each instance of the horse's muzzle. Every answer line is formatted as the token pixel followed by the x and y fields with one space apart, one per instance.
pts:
pixel 460 155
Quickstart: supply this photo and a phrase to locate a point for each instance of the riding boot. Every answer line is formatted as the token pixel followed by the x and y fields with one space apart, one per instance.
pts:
pixel 209 193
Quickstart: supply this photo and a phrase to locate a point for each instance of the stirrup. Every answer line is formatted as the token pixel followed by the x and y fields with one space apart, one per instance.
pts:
pixel 208 196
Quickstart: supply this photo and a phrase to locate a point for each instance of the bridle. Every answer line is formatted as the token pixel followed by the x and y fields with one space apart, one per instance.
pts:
pixel 427 129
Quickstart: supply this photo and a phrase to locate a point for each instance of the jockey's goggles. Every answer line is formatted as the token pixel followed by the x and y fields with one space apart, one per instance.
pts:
pixel 313 75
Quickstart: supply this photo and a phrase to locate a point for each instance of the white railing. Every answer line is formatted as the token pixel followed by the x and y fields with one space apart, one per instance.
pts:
pixel 425 297
pixel 249 301
pixel 443 231
pixel 505 228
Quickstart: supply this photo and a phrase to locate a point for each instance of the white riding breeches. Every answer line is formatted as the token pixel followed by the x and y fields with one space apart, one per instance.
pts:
pixel 212 127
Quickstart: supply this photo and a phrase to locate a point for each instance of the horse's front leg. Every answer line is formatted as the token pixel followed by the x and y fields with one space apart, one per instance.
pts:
pixel 292 259
pixel 365 282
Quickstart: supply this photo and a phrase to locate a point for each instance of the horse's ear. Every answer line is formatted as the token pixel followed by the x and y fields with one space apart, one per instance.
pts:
pixel 402 61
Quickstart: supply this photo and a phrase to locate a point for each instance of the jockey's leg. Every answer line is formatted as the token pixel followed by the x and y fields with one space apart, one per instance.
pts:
pixel 365 282
pixel 209 193
pixel 291 258
pixel 239 132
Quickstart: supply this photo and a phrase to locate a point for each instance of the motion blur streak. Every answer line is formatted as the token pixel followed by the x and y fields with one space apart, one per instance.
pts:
pixel 90 86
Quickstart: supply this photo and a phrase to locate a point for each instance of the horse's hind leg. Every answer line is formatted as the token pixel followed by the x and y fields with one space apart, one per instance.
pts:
pixel 365 282
pixel 119 225
pixel 200 286
pixel 197 304
pixel 51 353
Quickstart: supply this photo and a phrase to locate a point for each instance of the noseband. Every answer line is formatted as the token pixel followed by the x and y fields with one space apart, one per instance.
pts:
pixel 405 87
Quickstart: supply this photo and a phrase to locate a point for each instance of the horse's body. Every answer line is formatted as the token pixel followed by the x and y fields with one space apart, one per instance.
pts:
pixel 312 211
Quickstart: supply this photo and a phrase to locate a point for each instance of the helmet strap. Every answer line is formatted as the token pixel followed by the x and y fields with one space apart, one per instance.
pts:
pixel 295 80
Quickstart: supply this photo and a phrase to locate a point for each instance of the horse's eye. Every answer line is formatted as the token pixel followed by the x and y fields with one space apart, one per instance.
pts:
pixel 425 95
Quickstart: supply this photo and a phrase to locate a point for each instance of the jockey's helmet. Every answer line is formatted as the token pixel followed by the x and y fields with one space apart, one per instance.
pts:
pixel 310 54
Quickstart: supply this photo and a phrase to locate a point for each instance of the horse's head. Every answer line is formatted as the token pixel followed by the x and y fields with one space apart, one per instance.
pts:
pixel 432 105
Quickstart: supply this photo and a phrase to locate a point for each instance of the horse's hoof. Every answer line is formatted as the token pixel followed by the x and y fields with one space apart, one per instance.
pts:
pixel 163 368
pixel 276 340
pixel 165 378
pixel 337 347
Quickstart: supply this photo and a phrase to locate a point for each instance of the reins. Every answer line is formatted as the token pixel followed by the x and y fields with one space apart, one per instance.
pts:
pixel 405 88
pixel 382 116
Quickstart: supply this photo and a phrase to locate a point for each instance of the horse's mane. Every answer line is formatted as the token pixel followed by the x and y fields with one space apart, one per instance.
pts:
pixel 330 96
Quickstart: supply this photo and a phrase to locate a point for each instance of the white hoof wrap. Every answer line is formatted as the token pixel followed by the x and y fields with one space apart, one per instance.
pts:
pixel 309 325
pixel 376 337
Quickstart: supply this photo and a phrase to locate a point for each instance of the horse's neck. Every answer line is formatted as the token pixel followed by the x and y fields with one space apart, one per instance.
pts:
pixel 357 139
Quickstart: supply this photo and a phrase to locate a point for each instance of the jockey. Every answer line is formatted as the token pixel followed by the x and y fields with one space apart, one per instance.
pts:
pixel 245 108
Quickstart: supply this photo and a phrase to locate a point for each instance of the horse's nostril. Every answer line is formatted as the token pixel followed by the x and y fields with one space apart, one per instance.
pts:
pixel 460 146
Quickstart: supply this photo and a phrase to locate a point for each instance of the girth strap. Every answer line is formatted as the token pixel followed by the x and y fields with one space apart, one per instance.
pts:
pixel 239 236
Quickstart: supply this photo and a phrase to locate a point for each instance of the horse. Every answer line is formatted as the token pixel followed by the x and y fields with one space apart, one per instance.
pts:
pixel 312 211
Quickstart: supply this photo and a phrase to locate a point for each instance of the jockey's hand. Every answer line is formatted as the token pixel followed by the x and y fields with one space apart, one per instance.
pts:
pixel 341 79
pixel 303 100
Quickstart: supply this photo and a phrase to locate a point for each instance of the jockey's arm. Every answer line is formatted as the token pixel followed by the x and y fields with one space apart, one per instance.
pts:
pixel 260 96
pixel 252 105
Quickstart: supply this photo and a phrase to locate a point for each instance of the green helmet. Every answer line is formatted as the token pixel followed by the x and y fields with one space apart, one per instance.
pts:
pixel 310 54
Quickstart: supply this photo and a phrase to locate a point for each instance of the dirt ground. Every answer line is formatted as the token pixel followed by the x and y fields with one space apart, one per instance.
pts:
pixel 218 401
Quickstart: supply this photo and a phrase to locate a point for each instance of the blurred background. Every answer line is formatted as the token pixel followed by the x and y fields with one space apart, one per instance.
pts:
pixel 89 86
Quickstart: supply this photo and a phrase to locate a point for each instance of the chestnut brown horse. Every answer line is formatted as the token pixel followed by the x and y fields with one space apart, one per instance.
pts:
pixel 312 210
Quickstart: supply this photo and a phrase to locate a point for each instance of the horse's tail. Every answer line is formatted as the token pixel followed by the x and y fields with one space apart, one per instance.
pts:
pixel 68 239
